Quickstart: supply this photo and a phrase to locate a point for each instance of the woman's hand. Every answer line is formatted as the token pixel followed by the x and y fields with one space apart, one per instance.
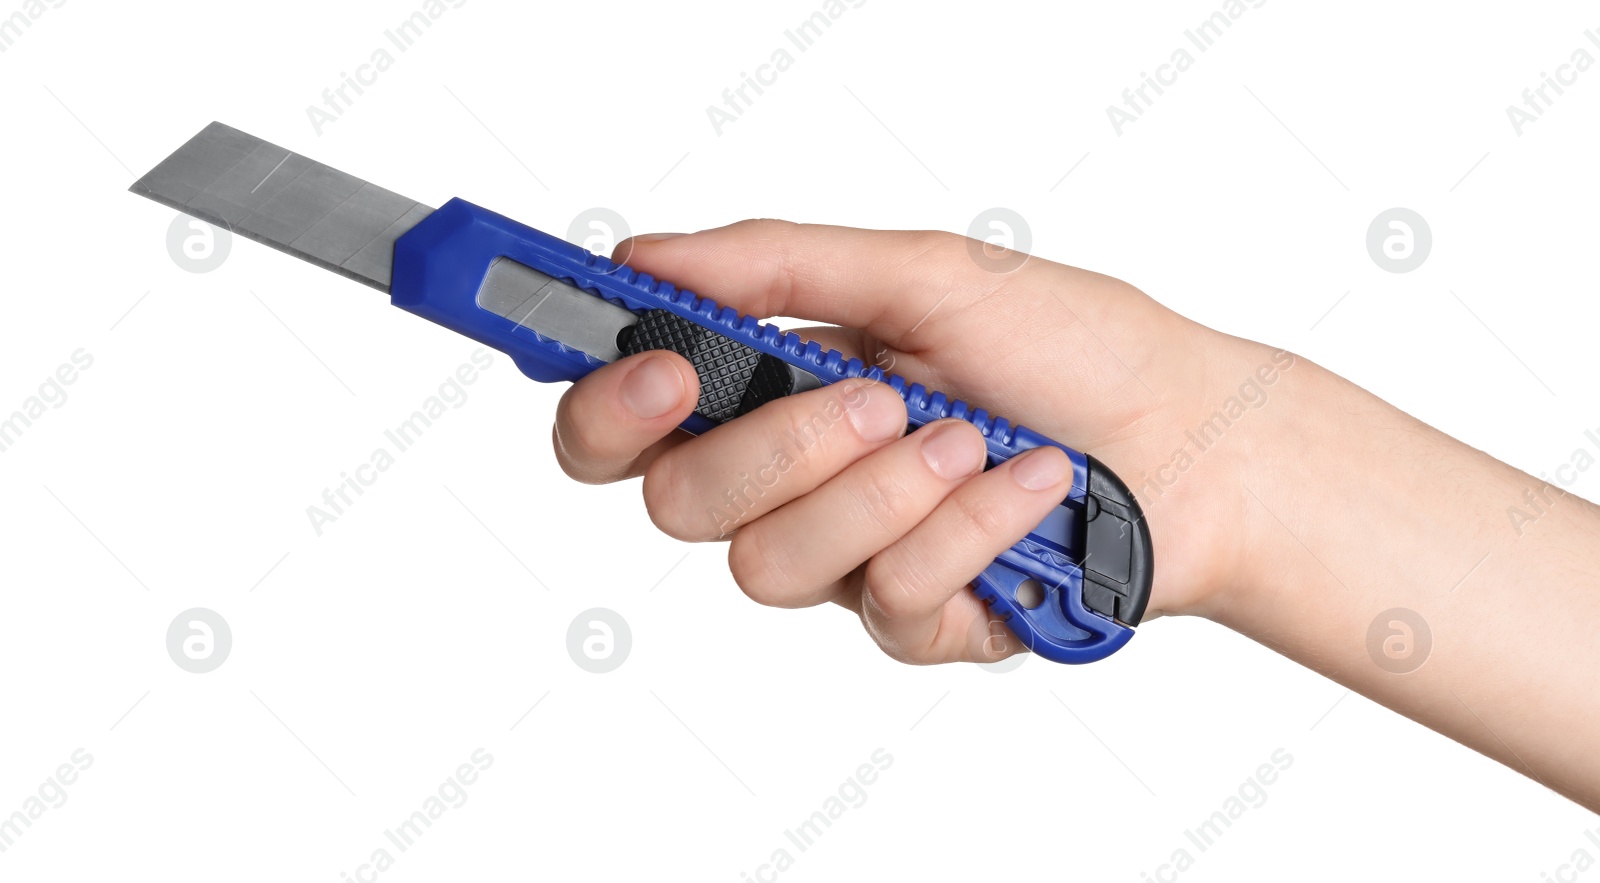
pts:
pixel 824 500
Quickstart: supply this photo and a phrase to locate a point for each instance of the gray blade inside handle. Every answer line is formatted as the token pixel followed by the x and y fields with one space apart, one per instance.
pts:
pixel 275 196
pixel 555 309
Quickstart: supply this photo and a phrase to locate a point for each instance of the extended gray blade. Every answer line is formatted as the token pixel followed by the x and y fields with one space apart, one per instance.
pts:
pixel 341 223
pixel 277 197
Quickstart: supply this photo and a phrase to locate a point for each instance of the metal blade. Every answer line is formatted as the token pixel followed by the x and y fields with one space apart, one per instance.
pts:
pixel 338 222
pixel 275 196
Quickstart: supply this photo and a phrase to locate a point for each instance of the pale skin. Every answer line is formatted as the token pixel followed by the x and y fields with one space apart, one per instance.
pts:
pixel 1319 509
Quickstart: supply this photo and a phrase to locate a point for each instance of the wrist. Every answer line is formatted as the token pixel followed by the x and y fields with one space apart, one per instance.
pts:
pixel 1286 469
pixel 1228 454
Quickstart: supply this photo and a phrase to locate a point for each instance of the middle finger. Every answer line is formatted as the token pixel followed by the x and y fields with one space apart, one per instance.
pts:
pixel 710 486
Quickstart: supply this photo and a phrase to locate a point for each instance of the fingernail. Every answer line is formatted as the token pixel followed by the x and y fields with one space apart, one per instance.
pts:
pixel 655 237
pixel 1041 468
pixel 875 411
pixel 952 452
pixel 652 388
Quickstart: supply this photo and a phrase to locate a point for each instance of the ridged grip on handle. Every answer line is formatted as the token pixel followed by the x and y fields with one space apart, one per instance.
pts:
pixel 440 264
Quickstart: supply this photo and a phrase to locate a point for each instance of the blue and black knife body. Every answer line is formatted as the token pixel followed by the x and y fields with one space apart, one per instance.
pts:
pixel 1071 590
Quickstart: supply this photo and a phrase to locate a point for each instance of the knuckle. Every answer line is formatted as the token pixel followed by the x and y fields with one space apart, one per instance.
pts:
pixel 578 436
pixel 884 498
pixel 981 515
pixel 758 569
pixel 892 647
pixel 876 626
pixel 564 457
pixel 770 241
pixel 941 249
pixel 668 497
pixel 574 463
pixel 766 228
pixel 898 590
pixel 807 427
pixel 803 425
pixel 941 244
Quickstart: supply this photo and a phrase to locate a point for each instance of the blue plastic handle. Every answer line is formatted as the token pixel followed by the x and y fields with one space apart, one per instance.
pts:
pixel 440 264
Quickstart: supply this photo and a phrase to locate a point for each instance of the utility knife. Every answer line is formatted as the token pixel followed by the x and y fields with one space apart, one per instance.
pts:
pixel 1071 590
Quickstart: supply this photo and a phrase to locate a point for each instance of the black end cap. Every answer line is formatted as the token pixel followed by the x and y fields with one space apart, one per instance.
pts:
pixel 1119 562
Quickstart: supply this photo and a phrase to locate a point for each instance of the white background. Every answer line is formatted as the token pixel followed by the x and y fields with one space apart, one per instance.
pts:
pixel 368 663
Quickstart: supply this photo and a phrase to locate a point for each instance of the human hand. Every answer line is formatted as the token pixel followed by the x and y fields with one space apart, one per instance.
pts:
pixel 822 498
